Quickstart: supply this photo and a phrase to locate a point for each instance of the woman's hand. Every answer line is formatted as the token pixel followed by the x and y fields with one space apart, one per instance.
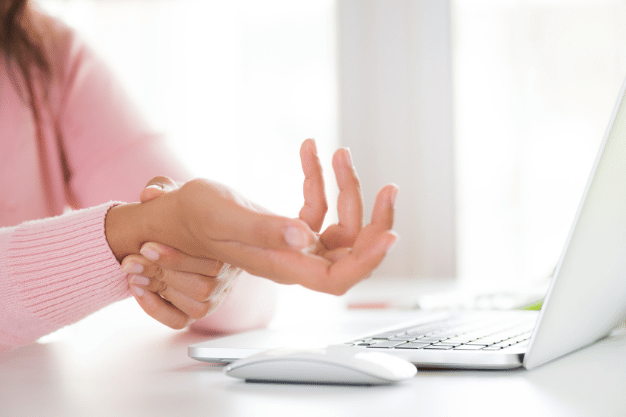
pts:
pixel 207 220
pixel 170 286
pixel 175 288
pixel 344 253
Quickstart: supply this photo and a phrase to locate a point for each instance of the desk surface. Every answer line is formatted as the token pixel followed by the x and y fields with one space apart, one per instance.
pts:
pixel 119 362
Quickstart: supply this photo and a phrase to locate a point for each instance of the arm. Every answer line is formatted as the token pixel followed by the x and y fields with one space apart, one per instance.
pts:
pixel 54 272
pixel 341 256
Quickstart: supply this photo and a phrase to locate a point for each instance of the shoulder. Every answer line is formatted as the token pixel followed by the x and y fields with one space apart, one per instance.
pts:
pixel 62 45
pixel 68 55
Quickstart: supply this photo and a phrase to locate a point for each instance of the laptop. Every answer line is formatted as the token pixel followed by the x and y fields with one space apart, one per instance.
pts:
pixel 585 301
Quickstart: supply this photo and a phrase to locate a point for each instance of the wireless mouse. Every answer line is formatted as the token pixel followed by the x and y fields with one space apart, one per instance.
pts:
pixel 331 365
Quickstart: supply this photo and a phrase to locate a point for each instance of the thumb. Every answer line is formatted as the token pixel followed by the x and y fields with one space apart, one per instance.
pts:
pixel 156 187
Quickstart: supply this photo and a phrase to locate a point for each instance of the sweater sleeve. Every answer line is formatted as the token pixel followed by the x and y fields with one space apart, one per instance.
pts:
pixel 54 272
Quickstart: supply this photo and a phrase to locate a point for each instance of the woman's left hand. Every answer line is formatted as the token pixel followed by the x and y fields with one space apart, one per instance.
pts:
pixel 170 286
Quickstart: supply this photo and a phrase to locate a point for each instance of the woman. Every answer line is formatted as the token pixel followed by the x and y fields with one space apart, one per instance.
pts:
pixel 70 138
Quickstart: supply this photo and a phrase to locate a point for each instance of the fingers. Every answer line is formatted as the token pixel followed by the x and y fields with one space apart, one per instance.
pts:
pixel 331 271
pixel 350 201
pixel 189 306
pixel 156 187
pixel 384 207
pixel 169 258
pixel 160 309
pixel 369 251
pixel 196 278
pixel 226 216
pixel 170 294
pixel 349 204
pixel 372 244
pixel 315 205
pixel 334 272
pixel 176 314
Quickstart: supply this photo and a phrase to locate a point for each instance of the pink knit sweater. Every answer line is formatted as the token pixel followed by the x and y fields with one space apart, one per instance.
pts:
pixel 56 267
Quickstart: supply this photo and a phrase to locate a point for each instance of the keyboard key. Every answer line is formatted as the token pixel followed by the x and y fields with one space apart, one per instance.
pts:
pixel 440 347
pixel 444 344
pixel 386 344
pixel 517 339
pixel 477 343
pixel 469 347
pixel 501 345
pixel 412 345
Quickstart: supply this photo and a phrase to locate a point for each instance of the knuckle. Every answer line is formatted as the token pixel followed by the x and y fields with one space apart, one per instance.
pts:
pixel 324 207
pixel 160 288
pixel 159 273
pixel 159 180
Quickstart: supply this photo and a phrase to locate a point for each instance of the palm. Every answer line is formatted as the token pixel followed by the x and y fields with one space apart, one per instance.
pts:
pixel 342 246
pixel 345 252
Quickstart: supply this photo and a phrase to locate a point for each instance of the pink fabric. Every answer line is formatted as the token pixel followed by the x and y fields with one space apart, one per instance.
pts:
pixel 57 270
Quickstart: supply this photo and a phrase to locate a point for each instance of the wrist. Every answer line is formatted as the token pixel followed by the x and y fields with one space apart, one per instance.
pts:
pixel 124 227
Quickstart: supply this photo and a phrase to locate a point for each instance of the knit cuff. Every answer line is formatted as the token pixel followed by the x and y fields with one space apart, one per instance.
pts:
pixel 63 266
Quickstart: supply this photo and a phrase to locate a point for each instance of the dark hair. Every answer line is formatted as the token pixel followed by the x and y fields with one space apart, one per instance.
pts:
pixel 22 40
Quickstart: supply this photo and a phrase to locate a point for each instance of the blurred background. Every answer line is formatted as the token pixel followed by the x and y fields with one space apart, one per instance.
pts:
pixel 487 113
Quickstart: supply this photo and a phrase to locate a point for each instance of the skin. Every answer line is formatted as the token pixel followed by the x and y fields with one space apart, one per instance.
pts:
pixel 200 251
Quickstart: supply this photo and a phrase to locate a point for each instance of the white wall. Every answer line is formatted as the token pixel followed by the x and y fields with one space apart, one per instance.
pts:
pixel 396 116
pixel 236 86
pixel 535 85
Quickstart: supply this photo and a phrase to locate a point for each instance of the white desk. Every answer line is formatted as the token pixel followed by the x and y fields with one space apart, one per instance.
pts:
pixel 119 362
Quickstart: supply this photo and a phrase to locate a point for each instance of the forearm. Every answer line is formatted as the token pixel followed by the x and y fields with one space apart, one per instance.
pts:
pixel 128 226
pixel 54 272
pixel 125 229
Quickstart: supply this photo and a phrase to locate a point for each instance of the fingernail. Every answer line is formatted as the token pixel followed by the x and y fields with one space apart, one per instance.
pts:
pixel 140 280
pixel 133 268
pixel 157 186
pixel 388 244
pixel 296 238
pixel 393 196
pixel 139 292
pixel 150 253
pixel 347 157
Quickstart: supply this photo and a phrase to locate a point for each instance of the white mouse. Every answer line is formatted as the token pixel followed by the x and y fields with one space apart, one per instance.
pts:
pixel 332 365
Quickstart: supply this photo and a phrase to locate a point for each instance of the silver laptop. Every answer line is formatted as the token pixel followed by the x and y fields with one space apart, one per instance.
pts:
pixel 585 301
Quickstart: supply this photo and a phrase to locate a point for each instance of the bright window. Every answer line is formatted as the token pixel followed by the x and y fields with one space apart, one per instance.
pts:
pixel 235 85
pixel 535 84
